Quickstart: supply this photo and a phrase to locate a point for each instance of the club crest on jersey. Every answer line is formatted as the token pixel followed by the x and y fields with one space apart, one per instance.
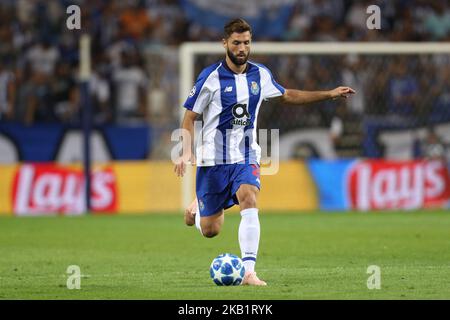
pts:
pixel 254 88
pixel 240 111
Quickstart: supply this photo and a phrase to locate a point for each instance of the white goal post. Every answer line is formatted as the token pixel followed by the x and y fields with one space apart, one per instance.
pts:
pixel 189 50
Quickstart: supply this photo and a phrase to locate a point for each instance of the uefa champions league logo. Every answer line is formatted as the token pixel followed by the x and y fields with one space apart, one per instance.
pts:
pixel 193 90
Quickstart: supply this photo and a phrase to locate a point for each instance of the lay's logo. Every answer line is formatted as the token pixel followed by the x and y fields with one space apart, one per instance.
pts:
pixel 47 188
pixel 378 184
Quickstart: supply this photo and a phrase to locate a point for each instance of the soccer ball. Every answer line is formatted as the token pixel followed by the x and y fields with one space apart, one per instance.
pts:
pixel 227 270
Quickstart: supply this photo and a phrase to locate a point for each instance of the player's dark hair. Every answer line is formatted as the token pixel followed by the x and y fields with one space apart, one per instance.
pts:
pixel 236 25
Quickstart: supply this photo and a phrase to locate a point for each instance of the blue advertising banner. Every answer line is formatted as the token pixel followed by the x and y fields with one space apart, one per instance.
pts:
pixel 330 179
pixel 267 18
pixel 56 142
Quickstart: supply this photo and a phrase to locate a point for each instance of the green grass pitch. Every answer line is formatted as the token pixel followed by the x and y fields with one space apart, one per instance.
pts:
pixel 301 256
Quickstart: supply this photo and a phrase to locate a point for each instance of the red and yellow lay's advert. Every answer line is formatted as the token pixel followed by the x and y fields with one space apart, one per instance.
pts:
pixel 131 187
pixel 364 185
pixel 378 185
pixel 49 188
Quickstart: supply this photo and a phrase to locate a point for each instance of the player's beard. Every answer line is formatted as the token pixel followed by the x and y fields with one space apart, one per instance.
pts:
pixel 236 59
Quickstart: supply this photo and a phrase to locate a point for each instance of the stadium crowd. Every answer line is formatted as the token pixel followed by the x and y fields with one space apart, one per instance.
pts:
pixel 135 61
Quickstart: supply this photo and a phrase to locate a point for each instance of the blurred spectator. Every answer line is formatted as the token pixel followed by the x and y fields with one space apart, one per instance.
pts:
pixel 7 93
pixel 440 92
pixel 406 28
pixel 68 47
pixel 38 96
pixel 100 97
pixel 6 34
pixel 402 90
pixel 64 93
pixel 43 57
pixel 299 22
pixel 355 76
pixel 135 22
pixel 324 27
pixel 26 11
pixel 356 18
pixel 157 106
pixel 23 94
pixel 337 125
pixel 432 146
pixel 377 87
pixel 116 48
pixel 130 84
pixel 437 22
pixel 109 21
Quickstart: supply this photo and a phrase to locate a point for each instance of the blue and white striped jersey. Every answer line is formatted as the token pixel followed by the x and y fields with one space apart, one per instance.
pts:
pixel 230 104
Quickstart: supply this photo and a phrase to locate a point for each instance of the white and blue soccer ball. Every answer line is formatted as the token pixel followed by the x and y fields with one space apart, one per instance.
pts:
pixel 227 270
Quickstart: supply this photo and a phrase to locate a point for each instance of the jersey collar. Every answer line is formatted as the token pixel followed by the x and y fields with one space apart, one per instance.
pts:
pixel 225 65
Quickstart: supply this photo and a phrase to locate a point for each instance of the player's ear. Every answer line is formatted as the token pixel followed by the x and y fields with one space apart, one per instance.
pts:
pixel 224 43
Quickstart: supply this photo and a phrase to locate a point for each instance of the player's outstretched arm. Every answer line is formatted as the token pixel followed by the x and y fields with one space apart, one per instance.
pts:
pixel 188 141
pixel 293 96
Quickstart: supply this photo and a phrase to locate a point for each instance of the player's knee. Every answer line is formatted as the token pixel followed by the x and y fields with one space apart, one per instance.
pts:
pixel 211 231
pixel 248 200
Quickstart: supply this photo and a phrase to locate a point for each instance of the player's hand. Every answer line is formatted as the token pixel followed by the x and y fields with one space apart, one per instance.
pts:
pixel 341 92
pixel 181 162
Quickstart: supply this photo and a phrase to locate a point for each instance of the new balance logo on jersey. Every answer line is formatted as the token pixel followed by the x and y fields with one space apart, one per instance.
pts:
pixel 228 89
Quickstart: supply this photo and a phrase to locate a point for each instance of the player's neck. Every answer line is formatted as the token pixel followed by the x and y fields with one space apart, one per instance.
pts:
pixel 235 68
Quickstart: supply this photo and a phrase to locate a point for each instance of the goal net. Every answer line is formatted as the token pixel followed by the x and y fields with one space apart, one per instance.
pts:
pixel 403 94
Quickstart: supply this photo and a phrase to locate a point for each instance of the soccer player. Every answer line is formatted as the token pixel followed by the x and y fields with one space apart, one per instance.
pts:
pixel 228 94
